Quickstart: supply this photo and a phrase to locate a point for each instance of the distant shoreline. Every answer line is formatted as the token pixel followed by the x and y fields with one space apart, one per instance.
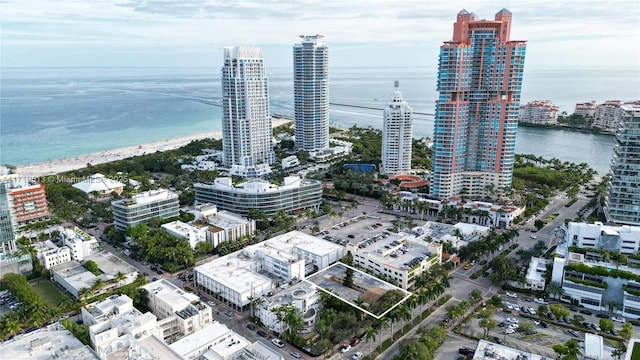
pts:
pixel 52 167
pixel 568 128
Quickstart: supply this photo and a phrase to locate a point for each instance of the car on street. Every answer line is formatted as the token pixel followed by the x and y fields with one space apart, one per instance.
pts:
pixel 533 236
pixel 277 342
pixel 355 342
pixel 229 313
pixel 211 303
pixel 357 356
pixel 251 327
pixel 296 354
pixel 261 333
pixel 465 351
pixel 345 348
pixel 618 319
pixel 512 295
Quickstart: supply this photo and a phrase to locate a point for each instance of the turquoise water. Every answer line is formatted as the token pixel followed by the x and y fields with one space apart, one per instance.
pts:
pixel 49 113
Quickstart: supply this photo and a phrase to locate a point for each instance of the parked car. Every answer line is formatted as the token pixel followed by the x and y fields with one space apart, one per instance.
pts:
pixel 618 319
pixel 573 333
pixel 602 316
pixel 524 309
pixel 501 324
pixel 296 354
pixel 573 308
pixel 465 351
pixel 566 320
pixel 498 340
pixel 635 322
pixel 532 311
pixel 585 311
pixel 509 331
pixel 483 262
pixel 551 316
pixel 345 348
pixel 595 327
pixel 467 266
pixel 355 342
pixel 512 295
pixel 277 342
pixel 544 324
pixel 485 274
pixel 251 327
pixel 512 320
pixel 613 332
pixel 357 356
pixel 540 301
pixel 261 333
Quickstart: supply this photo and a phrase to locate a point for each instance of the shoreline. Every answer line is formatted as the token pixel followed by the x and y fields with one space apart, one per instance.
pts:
pixel 53 167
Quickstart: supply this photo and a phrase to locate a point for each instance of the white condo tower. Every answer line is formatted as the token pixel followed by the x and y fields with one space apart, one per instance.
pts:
pixel 246 121
pixel 397 135
pixel 311 93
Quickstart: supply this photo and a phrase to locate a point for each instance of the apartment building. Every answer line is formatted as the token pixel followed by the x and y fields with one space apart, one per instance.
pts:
pixel 161 204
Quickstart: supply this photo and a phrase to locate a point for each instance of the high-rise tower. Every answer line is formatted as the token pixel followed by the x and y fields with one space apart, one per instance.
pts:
pixel 246 121
pixel 479 82
pixel 311 93
pixel 8 224
pixel 397 135
pixel 622 205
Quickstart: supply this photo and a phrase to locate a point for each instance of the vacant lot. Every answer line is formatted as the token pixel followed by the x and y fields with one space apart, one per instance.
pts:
pixel 49 294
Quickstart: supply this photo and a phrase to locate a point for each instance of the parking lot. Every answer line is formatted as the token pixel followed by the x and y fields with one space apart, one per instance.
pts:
pixel 545 335
pixel 8 302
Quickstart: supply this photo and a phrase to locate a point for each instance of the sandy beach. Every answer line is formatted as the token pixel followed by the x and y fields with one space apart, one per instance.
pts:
pixel 52 167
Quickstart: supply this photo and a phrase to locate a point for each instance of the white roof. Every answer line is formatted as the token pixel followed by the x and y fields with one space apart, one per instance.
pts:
pixel 200 338
pixel 97 182
pixel 43 343
pixel 593 346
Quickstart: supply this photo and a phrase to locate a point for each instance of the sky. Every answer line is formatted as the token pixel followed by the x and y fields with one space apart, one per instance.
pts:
pixel 587 34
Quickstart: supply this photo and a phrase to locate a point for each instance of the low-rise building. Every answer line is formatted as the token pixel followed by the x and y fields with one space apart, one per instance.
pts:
pixel 79 242
pixel 161 204
pixel 54 342
pixel 624 239
pixel 302 296
pixel 267 267
pixel 292 195
pixel 127 347
pixel 490 350
pixel 180 313
pixel 222 226
pixel 49 254
pixel 216 341
pixel 115 316
pixel 538 112
pixel 73 277
pixel 535 278
pixel 193 234
pixel 397 259
pixel 98 185
pixel 290 161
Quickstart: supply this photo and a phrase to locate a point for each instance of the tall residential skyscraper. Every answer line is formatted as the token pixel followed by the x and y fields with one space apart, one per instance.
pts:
pixel 8 224
pixel 479 81
pixel 311 93
pixel 397 135
pixel 246 121
pixel 622 205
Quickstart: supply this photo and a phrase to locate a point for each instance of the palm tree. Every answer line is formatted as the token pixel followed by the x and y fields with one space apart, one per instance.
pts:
pixel 371 335
pixel 119 277
pixel 572 351
pixel 381 323
pixel 98 284
pixel 403 315
pixel 83 295
pixel 412 303
pixel 554 289
pixel 11 327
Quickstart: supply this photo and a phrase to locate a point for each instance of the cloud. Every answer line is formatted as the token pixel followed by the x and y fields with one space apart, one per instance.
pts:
pixel 192 26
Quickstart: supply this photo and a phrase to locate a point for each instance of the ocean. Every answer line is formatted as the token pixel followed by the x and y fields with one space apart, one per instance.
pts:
pixel 50 113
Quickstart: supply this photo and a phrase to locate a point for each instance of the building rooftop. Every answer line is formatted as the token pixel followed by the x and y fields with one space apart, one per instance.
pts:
pixel 75 274
pixel 147 197
pixel 97 182
pixel 202 337
pixel 488 350
pixel 242 264
pixel 593 346
pixel 537 268
pixel 45 344
pixel 110 265
pixel 171 294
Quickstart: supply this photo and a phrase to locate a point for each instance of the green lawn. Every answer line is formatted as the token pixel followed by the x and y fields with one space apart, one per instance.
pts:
pixel 635 353
pixel 49 294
